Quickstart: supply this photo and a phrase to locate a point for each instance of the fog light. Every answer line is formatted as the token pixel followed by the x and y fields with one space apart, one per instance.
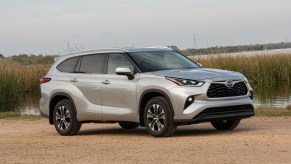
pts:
pixel 251 95
pixel 189 101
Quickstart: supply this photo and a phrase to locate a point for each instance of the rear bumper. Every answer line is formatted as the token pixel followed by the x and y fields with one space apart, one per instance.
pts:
pixel 43 106
pixel 220 113
pixel 44 115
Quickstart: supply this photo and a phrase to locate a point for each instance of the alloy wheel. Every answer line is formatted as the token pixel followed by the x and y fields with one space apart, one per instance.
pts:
pixel 63 118
pixel 156 117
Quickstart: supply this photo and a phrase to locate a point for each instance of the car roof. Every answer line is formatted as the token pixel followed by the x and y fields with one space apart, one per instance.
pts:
pixel 112 50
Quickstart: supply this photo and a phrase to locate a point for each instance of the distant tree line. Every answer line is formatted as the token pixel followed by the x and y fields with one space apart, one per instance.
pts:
pixel 49 59
pixel 281 45
pixel 227 49
pixel 31 59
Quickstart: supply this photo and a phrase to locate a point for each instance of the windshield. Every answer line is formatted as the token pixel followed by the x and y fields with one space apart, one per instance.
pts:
pixel 161 60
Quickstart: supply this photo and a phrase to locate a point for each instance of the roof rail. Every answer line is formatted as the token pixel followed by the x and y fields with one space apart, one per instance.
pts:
pixel 162 47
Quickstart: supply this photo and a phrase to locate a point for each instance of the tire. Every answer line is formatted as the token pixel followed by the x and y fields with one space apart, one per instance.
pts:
pixel 128 125
pixel 225 124
pixel 158 118
pixel 65 119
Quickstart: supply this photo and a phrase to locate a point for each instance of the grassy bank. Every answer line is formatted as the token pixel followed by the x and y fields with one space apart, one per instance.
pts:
pixel 5 115
pixel 274 111
pixel 16 79
pixel 257 68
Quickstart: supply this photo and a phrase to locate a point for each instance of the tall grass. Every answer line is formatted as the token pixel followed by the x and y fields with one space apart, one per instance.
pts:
pixel 257 68
pixel 16 79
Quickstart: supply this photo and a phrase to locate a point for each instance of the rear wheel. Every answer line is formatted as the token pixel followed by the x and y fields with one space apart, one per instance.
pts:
pixel 225 124
pixel 128 125
pixel 64 118
pixel 158 118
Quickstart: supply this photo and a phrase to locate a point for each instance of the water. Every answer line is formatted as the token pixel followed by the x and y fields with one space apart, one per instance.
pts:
pixel 25 104
pixel 276 94
pixel 266 95
pixel 251 53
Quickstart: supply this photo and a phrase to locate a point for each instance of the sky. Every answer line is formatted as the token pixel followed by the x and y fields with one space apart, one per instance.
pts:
pixel 58 27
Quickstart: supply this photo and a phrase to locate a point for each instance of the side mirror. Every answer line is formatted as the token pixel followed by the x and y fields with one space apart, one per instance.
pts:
pixel 200 65
pixel 124 71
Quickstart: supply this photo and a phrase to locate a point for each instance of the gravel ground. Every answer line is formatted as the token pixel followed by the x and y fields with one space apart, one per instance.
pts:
pixel 256 140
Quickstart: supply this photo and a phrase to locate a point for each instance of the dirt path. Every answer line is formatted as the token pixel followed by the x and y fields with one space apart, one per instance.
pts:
pixel 256 140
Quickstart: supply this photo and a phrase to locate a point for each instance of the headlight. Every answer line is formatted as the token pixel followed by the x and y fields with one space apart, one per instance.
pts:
pixel 245 79
pixel 243 76
pixel 185 82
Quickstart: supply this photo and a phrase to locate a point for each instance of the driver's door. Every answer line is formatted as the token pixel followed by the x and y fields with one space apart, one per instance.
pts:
pixel 118 93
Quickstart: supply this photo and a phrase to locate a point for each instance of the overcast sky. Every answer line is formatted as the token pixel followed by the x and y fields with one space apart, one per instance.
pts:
pixel 47 26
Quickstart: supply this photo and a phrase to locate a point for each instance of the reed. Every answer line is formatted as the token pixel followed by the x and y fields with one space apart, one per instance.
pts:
pixel 14 115
pixel 257 68
pixel 16 79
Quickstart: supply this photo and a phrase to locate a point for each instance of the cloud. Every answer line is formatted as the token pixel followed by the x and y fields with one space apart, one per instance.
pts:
pixel 46 26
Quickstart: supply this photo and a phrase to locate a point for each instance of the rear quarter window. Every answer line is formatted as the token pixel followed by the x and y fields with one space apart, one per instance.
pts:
pixel 68 65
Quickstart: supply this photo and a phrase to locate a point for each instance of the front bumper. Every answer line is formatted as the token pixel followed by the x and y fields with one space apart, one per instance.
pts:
pixel 204 109
pixel 220 113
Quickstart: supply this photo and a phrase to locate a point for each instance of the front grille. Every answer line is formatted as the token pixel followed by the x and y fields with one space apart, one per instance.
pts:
pixel 221 90
pixel 226 112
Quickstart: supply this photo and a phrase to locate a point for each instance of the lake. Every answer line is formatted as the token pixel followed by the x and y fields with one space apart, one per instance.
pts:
pixel 272 94
pixel 250 53
pixel 25 104
pixel 266 95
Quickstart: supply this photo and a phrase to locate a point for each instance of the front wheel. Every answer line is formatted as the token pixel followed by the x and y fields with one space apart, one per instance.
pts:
pixel 65 118
pixel 225 124
pixel 158 118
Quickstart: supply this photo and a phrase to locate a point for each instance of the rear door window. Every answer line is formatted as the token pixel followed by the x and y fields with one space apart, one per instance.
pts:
pixel 93 64
pixel 68 65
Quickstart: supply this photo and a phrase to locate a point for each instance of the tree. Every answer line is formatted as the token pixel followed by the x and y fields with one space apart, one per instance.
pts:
pixel 1 56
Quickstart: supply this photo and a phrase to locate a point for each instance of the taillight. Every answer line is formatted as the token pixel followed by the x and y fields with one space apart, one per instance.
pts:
pixel 44 80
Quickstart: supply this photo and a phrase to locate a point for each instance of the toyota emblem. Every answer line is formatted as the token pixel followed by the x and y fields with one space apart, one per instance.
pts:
pixel 229 83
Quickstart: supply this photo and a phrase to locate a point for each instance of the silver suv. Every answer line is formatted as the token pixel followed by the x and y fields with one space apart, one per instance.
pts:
pixel 158 88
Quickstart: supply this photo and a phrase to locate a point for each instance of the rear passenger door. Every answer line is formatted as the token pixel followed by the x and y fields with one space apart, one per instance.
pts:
pixel 117 92
pixel 88 76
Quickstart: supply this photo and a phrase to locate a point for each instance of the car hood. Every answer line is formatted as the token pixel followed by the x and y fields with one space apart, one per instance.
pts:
pixel 200 74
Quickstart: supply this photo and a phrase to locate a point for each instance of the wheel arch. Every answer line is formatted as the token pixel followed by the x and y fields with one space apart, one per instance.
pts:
pixel 146 96
pixel 55 98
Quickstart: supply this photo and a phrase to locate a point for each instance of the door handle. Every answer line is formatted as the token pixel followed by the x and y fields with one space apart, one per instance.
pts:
pixel 106 82
pixel 74 80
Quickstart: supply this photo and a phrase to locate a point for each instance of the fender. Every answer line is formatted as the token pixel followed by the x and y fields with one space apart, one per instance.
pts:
pixel 157 91
pixel 50 103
